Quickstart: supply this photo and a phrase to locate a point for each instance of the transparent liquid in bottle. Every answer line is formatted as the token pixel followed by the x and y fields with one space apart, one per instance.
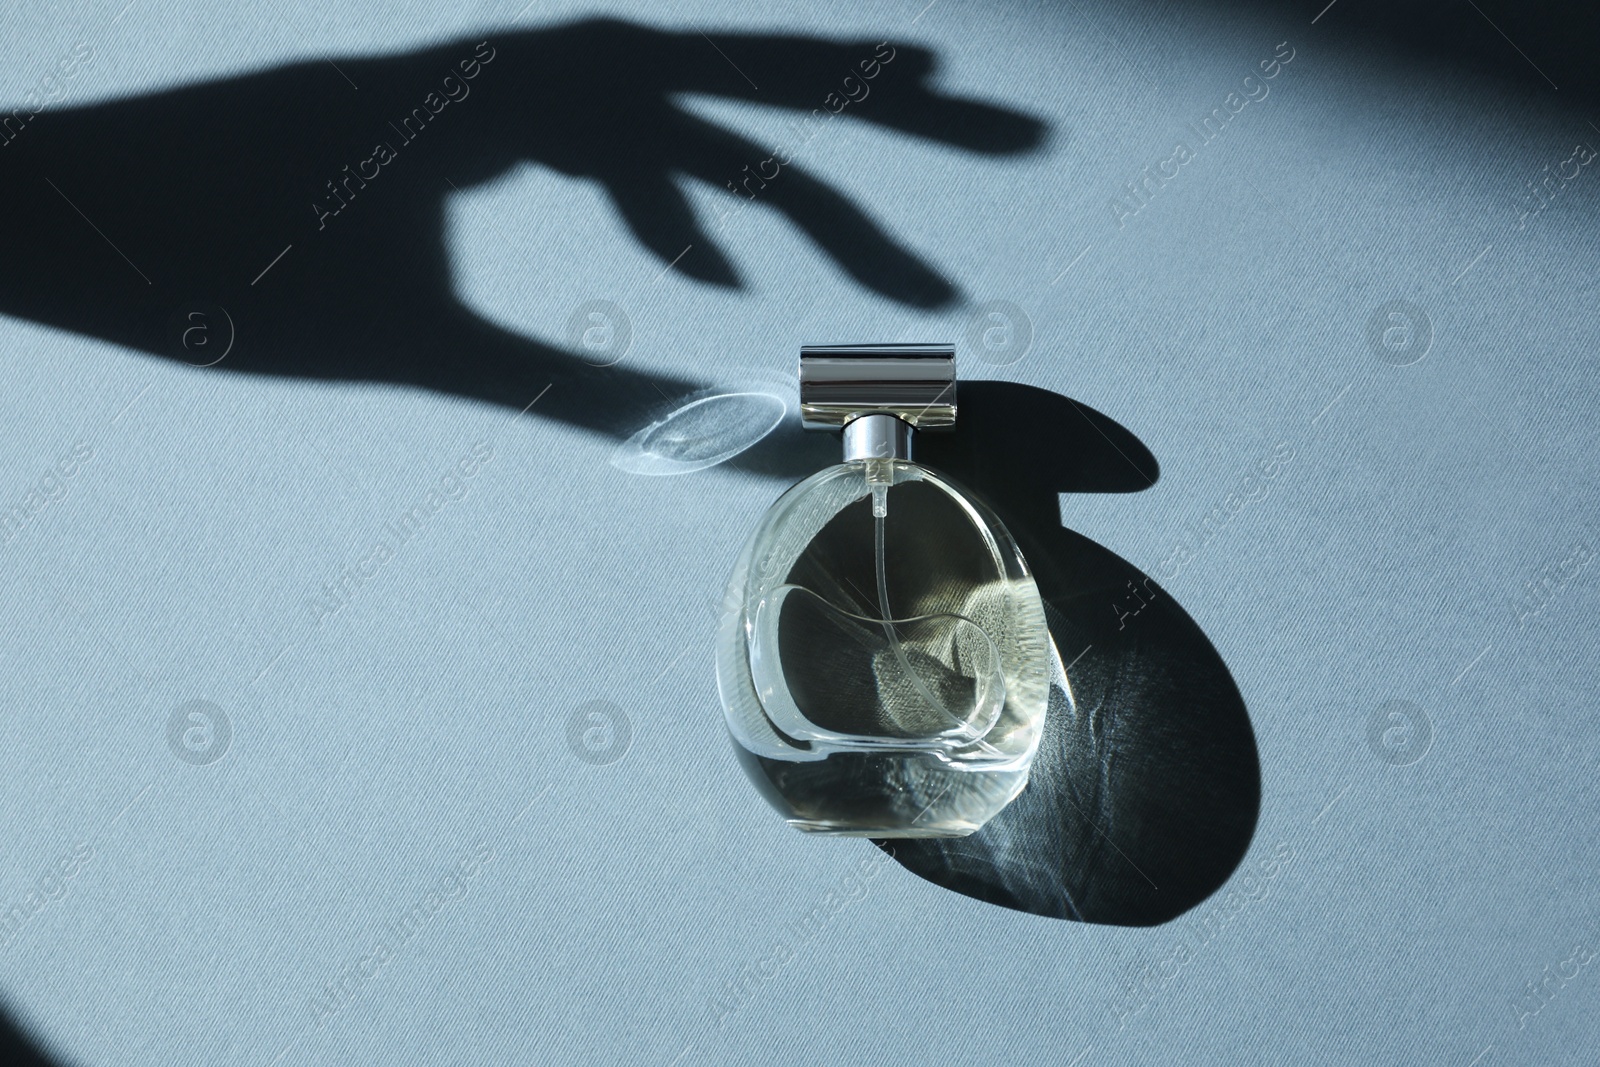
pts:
pixel 883 657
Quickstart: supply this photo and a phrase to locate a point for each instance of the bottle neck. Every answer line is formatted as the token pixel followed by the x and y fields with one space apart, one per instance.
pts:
pixel 877 436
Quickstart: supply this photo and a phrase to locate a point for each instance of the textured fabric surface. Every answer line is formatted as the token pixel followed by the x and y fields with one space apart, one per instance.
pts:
pixel 270 795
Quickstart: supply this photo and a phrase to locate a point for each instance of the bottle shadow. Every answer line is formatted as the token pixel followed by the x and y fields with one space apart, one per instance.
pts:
pixel 1145 791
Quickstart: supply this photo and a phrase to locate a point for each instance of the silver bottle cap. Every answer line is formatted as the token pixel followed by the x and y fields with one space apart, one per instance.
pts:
pixel 914 383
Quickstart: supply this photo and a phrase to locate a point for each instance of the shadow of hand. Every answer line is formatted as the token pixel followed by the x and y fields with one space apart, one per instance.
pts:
pixel 299 211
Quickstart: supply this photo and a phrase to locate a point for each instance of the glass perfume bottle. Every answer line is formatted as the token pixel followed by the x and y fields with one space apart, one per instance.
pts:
pixel 883 659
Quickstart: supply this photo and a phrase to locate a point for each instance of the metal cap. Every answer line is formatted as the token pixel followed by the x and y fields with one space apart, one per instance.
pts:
pixel 914 383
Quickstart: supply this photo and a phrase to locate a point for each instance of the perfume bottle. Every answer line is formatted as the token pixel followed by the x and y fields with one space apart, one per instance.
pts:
pixel 883 659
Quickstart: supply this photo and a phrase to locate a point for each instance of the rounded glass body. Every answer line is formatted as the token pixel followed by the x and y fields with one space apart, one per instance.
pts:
pixel 883 658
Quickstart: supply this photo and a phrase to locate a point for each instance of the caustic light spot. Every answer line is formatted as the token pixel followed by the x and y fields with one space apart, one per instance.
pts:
pixel 705 430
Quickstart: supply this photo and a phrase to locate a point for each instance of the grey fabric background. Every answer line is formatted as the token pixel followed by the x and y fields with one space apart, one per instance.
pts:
pixel 1385 914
